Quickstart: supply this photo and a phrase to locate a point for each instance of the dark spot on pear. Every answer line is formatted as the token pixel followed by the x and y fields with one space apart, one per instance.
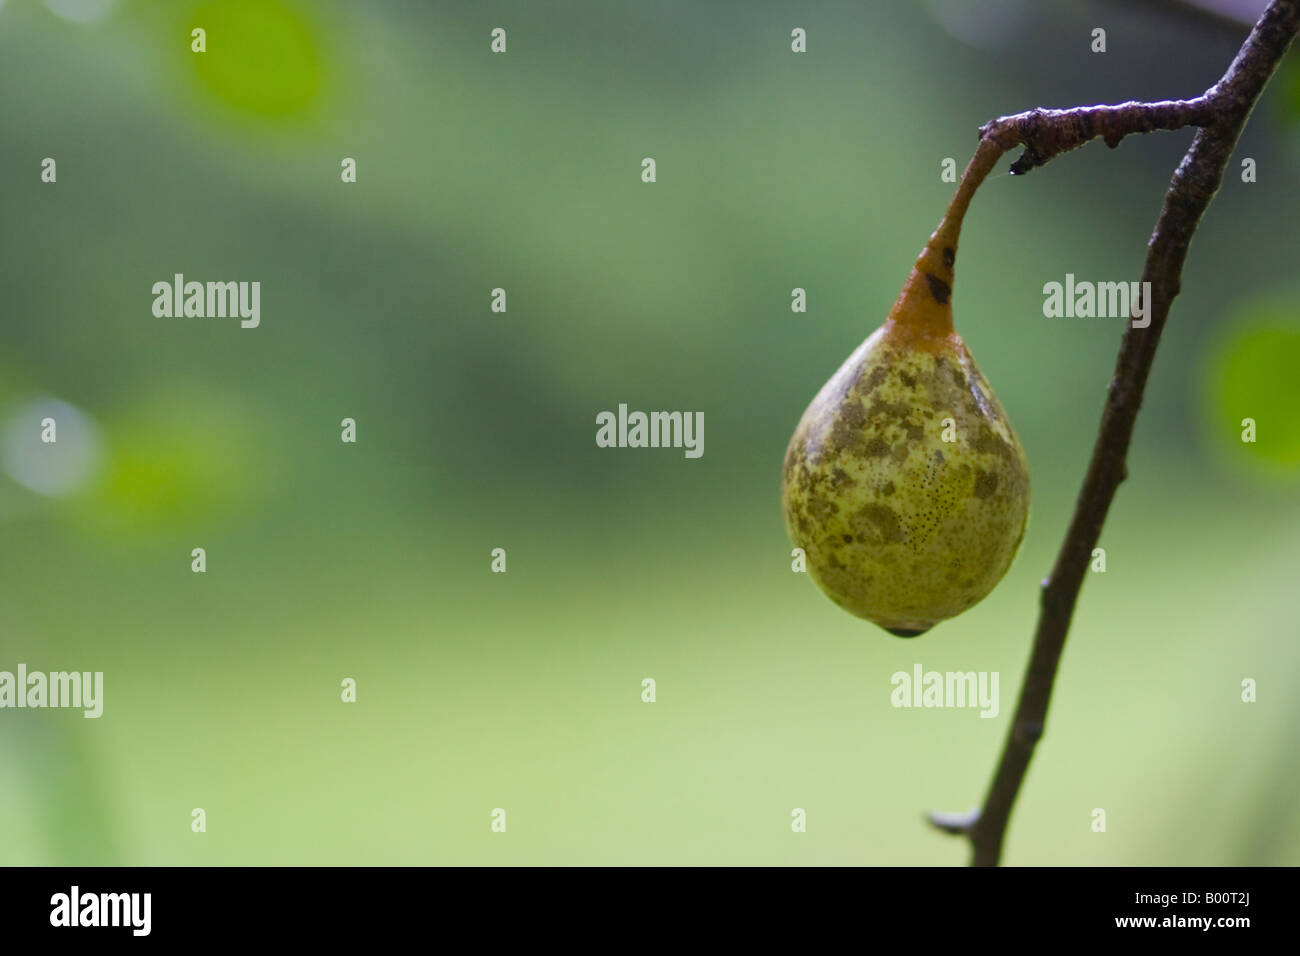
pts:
pixel 883 521
pixel 990 444
pixel 875 378
pixel 941 291
pixel 822 508
pixel 906 632
pixel 846 434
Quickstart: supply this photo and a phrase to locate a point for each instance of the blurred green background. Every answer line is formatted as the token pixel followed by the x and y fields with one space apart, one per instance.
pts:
pixel 476 430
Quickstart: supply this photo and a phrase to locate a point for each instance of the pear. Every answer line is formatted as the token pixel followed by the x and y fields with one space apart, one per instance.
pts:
pixel 905 483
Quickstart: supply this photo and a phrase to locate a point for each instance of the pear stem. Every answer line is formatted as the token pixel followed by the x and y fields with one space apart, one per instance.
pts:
pixel 1221 113
pixel 986 157
pixel 924 307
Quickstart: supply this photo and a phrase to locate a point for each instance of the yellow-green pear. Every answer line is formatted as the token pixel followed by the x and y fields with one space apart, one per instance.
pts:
pixel 905 483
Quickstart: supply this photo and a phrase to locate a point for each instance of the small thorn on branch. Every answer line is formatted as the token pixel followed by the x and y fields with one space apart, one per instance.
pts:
pixel 1024 164
pixel 958 824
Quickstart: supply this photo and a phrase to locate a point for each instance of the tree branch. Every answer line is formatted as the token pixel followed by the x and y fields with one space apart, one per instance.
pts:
pixel 1221 113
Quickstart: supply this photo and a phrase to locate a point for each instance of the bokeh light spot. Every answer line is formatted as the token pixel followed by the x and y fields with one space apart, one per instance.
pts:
pixel 54 468
pixel 81 11
pixel 1252 374
pixel 260 56
pixel 180 464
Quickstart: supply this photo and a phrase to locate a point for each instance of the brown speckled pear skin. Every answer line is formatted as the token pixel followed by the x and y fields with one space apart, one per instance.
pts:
pixel 899 525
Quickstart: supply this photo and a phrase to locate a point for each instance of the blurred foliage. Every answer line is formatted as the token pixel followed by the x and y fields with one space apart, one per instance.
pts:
pixel 476 430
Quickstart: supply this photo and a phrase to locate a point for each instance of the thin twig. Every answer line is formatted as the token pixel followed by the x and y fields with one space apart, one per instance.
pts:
pixel 1221 113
